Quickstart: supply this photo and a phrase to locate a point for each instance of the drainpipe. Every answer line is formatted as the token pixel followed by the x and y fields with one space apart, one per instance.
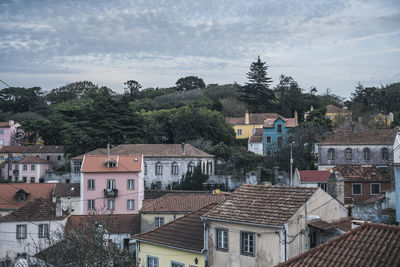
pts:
pixel 205 249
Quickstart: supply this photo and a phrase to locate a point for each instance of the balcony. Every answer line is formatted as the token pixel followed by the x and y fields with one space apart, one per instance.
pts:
pixel 109 192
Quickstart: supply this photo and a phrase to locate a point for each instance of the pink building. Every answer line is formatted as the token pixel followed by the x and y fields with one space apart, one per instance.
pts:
pixel 7 132
pixel 112 184
pixel 24 169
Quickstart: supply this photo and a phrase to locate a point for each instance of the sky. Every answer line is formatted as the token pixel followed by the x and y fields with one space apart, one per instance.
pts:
pixel 327 44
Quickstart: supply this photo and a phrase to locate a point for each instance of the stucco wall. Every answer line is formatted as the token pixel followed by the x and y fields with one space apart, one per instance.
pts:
pixel 148 219
pixel 10 245
pixel 247 130
pixel 37 173
pixel 256 148
pixel 165 255
pixel 366 190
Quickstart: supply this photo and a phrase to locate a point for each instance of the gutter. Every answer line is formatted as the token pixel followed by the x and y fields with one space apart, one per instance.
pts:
pixel 239 222
pixel 168 246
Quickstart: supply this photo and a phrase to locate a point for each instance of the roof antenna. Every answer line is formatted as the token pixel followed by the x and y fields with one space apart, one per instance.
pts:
pixel 108 149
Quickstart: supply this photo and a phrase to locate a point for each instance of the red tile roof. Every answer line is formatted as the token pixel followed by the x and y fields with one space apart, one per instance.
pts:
pixel 261 204
pixel 114 223
pixel 289 122
pixel 366 173
pixel 66 190
pixel 8 194
pixel 367 245
pixel 314 176
pixel 335 109
pixel 185 232
pixel 38 209
pixel 342 224
pixel 123 163
pixel 255 139
pixel 182 202
pixel 361 137
pixel 32 149
pixel 254 118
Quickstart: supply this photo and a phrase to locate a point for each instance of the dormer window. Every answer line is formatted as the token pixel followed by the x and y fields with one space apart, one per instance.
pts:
pixel 279 128
pixel 22 195
pixel 111 164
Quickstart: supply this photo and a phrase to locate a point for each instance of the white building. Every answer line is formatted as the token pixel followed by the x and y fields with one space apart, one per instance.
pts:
pixel 255 143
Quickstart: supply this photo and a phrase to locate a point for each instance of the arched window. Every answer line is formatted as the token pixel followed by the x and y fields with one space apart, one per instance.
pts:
pixel 158 168
pixel 349 154
pixel 191 167
pixel 385 154
pixel 174 168
pixel 331 154
pixel 367 153
pixel 145 168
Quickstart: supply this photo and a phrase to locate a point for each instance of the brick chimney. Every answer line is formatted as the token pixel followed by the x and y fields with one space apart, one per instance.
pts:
pixel 246 117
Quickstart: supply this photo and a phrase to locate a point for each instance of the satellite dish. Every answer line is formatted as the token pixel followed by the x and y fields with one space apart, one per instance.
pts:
pixel 65 208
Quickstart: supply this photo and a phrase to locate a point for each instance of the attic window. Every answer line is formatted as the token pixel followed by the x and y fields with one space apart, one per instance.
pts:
pixel 111 164
pixel 21 195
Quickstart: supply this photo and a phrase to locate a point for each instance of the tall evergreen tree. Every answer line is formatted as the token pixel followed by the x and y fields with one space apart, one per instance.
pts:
pixel 256 92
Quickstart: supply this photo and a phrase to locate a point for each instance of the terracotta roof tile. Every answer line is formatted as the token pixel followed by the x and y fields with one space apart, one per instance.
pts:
pixel 254 118
pixel 38 209
pixel 360 173
pixel 8 194
pixel 182 202
pixel 185 232
pixel 335 109
pixel 314 176
pixel 362 137
pixel 255 139
pixel 66 190
pixel 261 204
pixel 342 224
pixel 289 122
pixel 32 149
pixel 367 245
pixel 115 223
pixel 4 124
pixel 123 163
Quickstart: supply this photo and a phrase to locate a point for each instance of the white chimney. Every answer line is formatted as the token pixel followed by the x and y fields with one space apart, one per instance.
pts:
pixel 183 149
pixel 58 207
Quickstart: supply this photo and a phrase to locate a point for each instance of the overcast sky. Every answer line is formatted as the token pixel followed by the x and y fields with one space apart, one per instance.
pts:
pixel 328 44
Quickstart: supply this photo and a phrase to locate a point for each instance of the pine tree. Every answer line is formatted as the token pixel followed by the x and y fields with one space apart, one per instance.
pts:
pixel 256 92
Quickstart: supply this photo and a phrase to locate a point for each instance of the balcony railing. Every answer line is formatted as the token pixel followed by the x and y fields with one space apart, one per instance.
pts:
pixel 109 192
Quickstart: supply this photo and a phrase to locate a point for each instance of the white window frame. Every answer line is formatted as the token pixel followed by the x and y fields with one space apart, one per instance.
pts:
pixel 191 167
pixel 239 132
pixel 350 153
pixel 151 261
pixel 367 153
pixel 33 167
pixel 352 189
pixel 174 168
pixel 370 188
pixel 130 204
pixel 145 168
pixel 110 184
pixel 91 184
pixel 331 154
pixel 245 240
pixel 222 239
pixel 24 167
pixel 22 231
pixel 177 264
pixel 131 184
pixel 159 168
pixel 159 221
pixel 91 204
pixel 110 204
pixel 43 230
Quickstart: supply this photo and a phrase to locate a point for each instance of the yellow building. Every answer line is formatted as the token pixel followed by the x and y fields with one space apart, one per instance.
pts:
pixel 381 121
pixel 245 126
pixel 177 244
pixel 337 115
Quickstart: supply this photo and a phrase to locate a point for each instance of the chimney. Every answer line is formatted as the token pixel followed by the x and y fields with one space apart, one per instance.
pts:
pixel 296 116
pixel 246 117
pixel 108 150
pixel 58 207
pixel 183 149
pixel 336 186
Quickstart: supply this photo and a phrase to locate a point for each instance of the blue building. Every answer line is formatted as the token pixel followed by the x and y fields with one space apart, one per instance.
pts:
pixel 276 132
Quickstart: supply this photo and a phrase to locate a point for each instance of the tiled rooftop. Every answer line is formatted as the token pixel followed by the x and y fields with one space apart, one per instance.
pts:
pixel 314 176
pixel 182 202
pixel 342 224
pixel 261 204
pixel 335 109
pixel 123 163
pixel 254 118
pixel 362 137
pixel 66 190
pixel 185 232
pixel 8 194
pixel 367 245
pixel 38 209
pixel 289 122
pixel 360 173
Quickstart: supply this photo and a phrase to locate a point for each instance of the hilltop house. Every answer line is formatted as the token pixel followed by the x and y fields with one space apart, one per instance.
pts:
pixel 24 169
pixel 356 147
pixel 260 225
pixel 163 164
pixel 7 133
pixel 337 115
pixel 311 178
pixel 275 133
pixel 255 143
pixel 112 184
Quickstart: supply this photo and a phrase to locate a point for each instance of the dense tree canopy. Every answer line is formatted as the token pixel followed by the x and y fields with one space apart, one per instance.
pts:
pixel 189 83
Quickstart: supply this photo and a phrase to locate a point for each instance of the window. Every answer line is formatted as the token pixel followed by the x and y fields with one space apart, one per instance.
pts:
pixel 247 241
pixel 367 154
pixel 177 264
pixel 174 168
pixel 357 190
pixel 1 131
pixel 48 157
pixel 222 239
pixel 279 141
pixel 16 167
pixel 279 128
pixel 111 164
pixel 331 154
pixel 43 230
pixel 110 204
pixel 385 154
pixel 158 168
pixel 269 153
pixel 77 166
pixel 349 154
pixel 24 179
pixel 32 180
pixel 159 185
pixel 91 204
pixel 131 184
pixel 110 184
pixel 91 184
pixel 1 157
pixel 145 168
pixel 21 231
pixel 32 167
pixel 209 167
pixel 58 157
pixel 268 139
pixel 191 167
pixel 24 167
pixel 1 142
pixel 239 132
pixel 375 189
pixel 152 261
pixel 130 204
pixel 21 196
pixel 323 186
pixel 158 221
